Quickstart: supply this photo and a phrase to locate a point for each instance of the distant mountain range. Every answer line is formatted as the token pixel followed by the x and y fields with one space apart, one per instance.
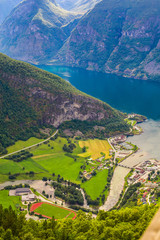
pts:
pixel 115 36
pixel 35 30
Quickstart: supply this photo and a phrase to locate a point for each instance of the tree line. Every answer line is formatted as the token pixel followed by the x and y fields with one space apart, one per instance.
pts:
pixel 124 224
pixel 70 194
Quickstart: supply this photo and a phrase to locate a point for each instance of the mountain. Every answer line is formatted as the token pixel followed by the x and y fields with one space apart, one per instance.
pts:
pixel 80 6
pixel 35 30
pixel 117 36
pixel 6 6
pixel 32 98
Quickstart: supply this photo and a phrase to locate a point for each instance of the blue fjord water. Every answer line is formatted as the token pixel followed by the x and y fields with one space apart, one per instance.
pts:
pixel 124 94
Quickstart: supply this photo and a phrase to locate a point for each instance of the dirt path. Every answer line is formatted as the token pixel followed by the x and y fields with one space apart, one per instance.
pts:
pixel 34 145
pixel 45 155
pixel 85 205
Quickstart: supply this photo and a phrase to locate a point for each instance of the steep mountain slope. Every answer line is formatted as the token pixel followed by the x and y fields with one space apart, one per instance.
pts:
pixel 6 6
pixel 80 6
pixel 35 30
pixel 117 36
pixel 31 98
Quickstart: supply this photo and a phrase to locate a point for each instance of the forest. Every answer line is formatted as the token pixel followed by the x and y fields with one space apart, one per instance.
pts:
pixel 124 224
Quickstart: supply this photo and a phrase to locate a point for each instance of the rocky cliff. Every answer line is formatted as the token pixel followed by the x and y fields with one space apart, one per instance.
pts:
pixel 118 36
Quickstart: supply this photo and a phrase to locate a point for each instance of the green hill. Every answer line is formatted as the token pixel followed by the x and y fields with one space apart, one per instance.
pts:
pixel 32 98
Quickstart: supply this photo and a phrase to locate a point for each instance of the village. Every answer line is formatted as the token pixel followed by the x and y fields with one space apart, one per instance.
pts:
pixel 148 174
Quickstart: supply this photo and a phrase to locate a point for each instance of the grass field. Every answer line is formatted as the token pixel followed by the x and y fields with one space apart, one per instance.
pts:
pixel 28 165
pixel 22 144
pixel 95 148
pixel 61 164
pixel 53 211
pixel 95 185
pixel 50 158
pixel 131 122
pixel 50 148
pixel 7 201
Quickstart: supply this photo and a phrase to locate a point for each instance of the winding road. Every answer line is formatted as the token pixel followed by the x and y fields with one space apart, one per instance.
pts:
pixel 34 145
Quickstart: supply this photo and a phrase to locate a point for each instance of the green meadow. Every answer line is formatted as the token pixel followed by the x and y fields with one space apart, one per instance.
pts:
pixel 23 144
pixel 96 185
pixel 49 158
pixel 63 165
pixel 7 200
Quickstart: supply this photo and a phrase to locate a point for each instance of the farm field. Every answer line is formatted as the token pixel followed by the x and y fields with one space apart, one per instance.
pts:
pixel 95 148
pixel 61 164
pixel 9 166
pixel 22 144
pixel 95 185
pixel 50 210
pixel 49 158
pixel 7 201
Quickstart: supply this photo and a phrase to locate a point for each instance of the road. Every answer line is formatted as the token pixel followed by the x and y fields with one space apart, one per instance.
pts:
pixel 115 152
pixel 34 145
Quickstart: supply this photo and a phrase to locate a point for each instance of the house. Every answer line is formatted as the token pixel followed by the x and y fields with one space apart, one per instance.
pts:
pixel 88 176
pixel 111 151
pixel 29 197
pixel 145 194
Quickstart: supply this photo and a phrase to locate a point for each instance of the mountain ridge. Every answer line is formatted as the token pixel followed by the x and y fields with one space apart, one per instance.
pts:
pixel 119 37
pixel 34 30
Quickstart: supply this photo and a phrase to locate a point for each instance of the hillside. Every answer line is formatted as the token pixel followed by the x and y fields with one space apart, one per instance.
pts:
pixel 32 98
pixel 120 37
pixel 35 30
